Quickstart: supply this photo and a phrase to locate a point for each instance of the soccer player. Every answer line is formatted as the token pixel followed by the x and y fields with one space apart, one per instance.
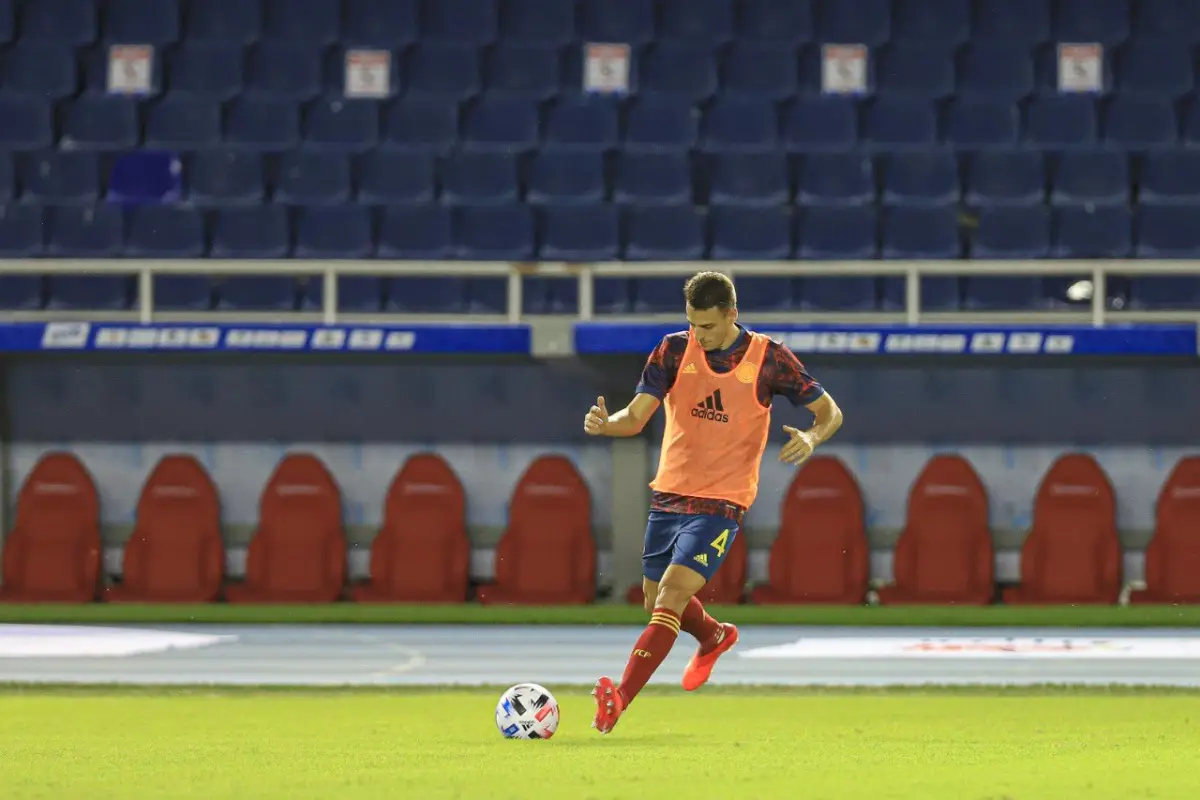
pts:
pixel 716 380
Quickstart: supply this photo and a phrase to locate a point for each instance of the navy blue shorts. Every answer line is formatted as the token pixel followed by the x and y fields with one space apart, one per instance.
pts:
pixel 696 541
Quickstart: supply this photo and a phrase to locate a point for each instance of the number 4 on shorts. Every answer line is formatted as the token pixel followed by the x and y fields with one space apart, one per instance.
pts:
pixel 720 543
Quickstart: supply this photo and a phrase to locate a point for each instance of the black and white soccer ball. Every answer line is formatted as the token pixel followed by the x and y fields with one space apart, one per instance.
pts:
pixel 527 711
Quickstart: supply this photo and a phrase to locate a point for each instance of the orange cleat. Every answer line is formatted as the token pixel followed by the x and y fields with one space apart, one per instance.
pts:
pixel 610 704
pixel 700 668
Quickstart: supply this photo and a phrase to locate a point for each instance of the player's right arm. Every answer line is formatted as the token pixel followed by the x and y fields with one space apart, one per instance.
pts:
pixel 629 421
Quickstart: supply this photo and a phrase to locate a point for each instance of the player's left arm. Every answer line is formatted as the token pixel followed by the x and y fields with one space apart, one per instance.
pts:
pixel 789 378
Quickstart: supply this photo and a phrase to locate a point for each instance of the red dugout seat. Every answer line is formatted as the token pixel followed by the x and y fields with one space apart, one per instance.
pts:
pixel 175 554
pixel 728 585
pixel 547 555
pixel 1072 555
pixel 1173 555
pixel 945 554
pixel 820 554
pixel 421 553
pixel 298 553
pixel 53 552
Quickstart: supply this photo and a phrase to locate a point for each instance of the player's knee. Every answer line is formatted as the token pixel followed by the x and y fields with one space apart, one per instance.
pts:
pixel 673 597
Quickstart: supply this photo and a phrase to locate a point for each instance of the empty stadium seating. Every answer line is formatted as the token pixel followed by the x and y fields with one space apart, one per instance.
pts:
pixel 1072 554
pixel 1173 555
pixel 483 144
pixel 944 555
pixel 421 553
pixel 547 554
pixel 298 553
pixel 52 553
pixel 820 553
pixel 727 586
pixel 175 553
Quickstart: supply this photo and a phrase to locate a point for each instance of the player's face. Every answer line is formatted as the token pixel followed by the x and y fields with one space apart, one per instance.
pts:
pixel 712 326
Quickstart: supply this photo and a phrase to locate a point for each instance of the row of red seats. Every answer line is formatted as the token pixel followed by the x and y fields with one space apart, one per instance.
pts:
pixel 547 554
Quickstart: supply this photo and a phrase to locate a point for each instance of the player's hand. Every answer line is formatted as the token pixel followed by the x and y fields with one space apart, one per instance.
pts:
pixel 596 419
pixel 799 447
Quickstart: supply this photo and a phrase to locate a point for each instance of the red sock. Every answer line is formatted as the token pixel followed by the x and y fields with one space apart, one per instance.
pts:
pixel 696 621
pixel 651 648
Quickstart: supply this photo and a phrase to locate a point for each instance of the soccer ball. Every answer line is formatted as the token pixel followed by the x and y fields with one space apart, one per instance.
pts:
pixel 527 711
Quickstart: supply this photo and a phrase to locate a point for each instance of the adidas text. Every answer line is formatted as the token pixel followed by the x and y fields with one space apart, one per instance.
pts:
pixel 710 413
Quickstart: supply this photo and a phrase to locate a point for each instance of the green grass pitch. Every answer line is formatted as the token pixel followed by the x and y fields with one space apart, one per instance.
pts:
pixel 63 743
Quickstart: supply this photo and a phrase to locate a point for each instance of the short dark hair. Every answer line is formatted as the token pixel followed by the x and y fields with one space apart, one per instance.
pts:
pixel 706 290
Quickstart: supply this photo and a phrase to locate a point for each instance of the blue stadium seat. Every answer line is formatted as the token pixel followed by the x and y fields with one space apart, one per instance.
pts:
pixel 141 22
pixel 499 125
pixel 8 179
pixel 21 231
pixel 469 22
pixel 854 21
pixel 558 177
pixel 89 292
pixel 421 126
pixel 580 233
pixel 1166 232
pixel 45 70
pixel 946 21
pixel 704 22
pixel 1012 232
pixel 493 233
pixel 790 23
pixel 212 71
pixel 145 177
pixel 844 294
pixel 1167 19
pixel 334 232
pixel 582 124
pixel 1191 124
pixel 451 72
pixel 332 124
pixel 69 22
pixel 307 22
pixel 1019 21
pixel 628 21
pixel 1059 123
pixel 686 71
pixel 1093 232
pixel 356 294
pixel 665 233
pixel 251 232
pixel 480 179
pixel 426 295
pixel 1006 178
pixel 223 21
pixel 550 295
pixel 85 231
pixel 312 179
pixel 836 179
pixel 416 233
pixel 893 124
pixel 387 178
pixel 916 69
pixel 283 71
pixel 839 233
pixel 1102 21
pixel 257 293
pixel 1140 123
pixel 760 71
pixel 660 126
pixel 1000 71
pixel 1170 178
pixel 261 125
pixel 755 180
pixel 165 232
pixel 738 125
pixel 1157 68
pixel 925 233
pixel 1162 293
pixel 94 122
pixel 180 122
pixel 7 21
pixel 1003 293
pixel 61 178
pixel 25 123
pixel 522 72
pixel 221 177
pixel 921 179
pixel 1092 178
pixel 767 293
pixel 982 125
pixel 821 125
pixel 369 23
pixel 537 22
pixel 653 179
pixel 21 292
pixel 751 234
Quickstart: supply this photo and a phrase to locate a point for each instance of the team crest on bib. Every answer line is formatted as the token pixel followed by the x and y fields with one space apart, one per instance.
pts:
pixel 746 372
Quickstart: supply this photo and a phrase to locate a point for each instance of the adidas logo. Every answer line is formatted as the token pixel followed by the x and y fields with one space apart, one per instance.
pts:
pixel 690 369
pixel 702 559
pixel 711 408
